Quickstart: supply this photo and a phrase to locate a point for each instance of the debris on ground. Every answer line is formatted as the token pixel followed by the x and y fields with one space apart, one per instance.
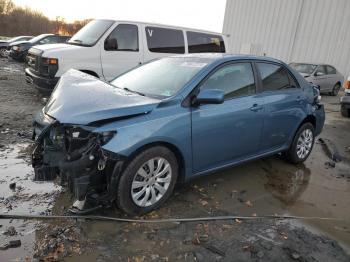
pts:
pixel 330 164
pixel 330 149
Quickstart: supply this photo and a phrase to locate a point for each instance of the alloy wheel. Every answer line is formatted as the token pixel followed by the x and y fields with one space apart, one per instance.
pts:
pixel 304 144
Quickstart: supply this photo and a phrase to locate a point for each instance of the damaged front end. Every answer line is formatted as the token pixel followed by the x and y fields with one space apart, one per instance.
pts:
pixel 75 155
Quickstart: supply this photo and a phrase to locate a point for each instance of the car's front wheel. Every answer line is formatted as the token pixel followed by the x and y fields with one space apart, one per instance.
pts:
pixel 302 144
pixel 147 181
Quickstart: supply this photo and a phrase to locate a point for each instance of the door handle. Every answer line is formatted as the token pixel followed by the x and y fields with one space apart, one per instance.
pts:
pixel 256 108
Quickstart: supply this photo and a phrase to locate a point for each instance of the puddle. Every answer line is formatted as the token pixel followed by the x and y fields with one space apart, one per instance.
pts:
pixel 264 187
pixel 27 197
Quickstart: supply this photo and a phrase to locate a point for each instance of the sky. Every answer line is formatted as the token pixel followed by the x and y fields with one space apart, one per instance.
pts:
pixel 200 14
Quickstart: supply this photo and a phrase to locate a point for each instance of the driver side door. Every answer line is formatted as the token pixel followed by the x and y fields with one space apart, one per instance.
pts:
pixel 121 51
pixel 231 131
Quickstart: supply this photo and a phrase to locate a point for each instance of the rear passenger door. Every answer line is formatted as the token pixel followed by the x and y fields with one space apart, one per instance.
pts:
pixel 121 51
pixel 162 41
pixel 284 104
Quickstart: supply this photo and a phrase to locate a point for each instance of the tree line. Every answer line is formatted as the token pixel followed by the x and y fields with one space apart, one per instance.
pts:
pixel 15 20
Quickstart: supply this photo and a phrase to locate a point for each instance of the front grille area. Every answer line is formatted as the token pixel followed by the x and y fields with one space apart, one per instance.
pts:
pixel 38 65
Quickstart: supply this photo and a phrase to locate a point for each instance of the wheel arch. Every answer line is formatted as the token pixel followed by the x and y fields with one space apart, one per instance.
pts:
pixel 173 148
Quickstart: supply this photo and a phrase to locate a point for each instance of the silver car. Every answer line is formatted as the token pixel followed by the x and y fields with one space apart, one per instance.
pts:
pixel 326 77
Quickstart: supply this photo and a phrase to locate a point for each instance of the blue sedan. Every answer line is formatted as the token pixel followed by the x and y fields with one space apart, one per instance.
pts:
pixel 173 119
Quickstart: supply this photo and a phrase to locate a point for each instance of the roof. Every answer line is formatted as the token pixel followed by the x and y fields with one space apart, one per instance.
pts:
pixel 163 25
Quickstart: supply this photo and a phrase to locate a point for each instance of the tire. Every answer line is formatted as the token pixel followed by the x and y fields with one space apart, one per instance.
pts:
pixel 134 202
pixel 344 111
pixel 296 155
pixel 335 90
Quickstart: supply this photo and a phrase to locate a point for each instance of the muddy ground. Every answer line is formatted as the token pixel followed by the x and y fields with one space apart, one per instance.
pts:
pixel 264 187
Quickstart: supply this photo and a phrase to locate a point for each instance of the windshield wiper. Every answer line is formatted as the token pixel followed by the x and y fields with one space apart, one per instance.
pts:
pixel 133 91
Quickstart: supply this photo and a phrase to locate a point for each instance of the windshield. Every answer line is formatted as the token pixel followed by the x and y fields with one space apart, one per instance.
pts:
pixel 304 68
pixel 38 38
pixel 160 78
pixel 91 32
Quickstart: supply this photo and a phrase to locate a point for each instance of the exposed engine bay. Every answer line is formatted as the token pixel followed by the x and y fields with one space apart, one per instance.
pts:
pixel 74 154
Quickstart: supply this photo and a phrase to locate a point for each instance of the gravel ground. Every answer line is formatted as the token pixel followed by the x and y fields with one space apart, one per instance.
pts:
pixel 263 187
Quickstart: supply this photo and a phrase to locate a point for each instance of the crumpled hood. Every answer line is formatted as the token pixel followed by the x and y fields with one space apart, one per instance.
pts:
pixel 82 99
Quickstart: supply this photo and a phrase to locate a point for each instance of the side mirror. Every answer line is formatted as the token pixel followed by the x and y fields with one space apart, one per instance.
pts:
pixel 111 44
pixel 318 74
pixel 209 96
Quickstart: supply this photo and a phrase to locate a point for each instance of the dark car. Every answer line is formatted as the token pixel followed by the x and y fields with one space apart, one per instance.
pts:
pixel 5 43
pixel 19 49
pixel 171 120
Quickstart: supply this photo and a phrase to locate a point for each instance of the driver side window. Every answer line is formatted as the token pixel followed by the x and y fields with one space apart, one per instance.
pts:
pixel 123 38
pixel 235 80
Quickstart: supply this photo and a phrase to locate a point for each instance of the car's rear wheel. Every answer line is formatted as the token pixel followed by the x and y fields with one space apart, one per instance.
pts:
pixel 302 144
pixel 335 89
pixel 147 181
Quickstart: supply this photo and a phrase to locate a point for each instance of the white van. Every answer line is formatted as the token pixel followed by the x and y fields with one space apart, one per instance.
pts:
pixel 107 48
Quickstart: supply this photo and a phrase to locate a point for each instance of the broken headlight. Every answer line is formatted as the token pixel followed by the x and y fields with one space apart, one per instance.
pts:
pixel 105 137
pixel 57 136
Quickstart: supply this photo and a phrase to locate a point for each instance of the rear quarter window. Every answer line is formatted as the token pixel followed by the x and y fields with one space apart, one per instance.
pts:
pixel 275 77
pixel 205 43
pixel 165 40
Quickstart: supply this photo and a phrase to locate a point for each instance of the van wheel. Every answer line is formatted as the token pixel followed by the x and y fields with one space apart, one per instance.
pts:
pixel 147 181
pixel 302 144
pixel 335 90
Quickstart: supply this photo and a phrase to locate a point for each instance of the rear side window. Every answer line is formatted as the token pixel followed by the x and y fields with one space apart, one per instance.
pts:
pixel 203 43
pixel 123 38
pixel 235 80
pixel 331 70
pixel 165 40
pixel 275 77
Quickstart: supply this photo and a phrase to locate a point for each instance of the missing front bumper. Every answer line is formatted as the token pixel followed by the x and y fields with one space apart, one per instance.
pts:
pixel 75 155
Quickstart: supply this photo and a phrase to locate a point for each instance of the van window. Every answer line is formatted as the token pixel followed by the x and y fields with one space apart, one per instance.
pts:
pixel 235 80
pixel 203 43
pixel 275 77
pixel 123 38
pixel 165 40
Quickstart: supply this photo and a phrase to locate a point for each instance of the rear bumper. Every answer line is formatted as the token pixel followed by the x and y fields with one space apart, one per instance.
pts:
pixel 43 84
pixel 320 118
